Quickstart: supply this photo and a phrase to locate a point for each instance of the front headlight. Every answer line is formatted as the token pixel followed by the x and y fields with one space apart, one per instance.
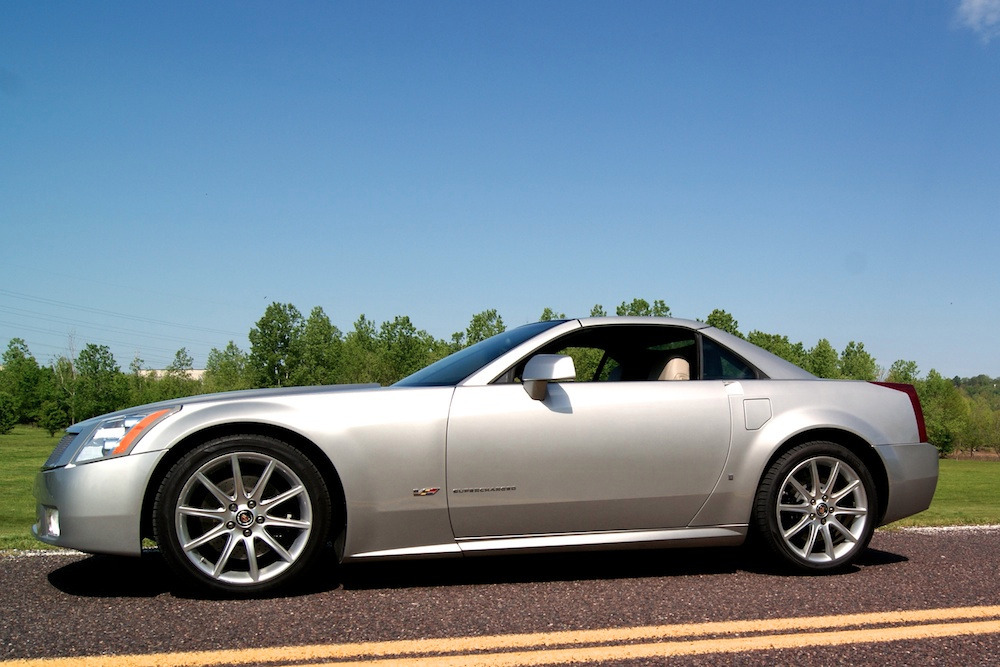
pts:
pixel 114 436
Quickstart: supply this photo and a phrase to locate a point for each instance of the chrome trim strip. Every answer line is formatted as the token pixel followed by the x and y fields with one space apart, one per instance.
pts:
pixel 695 536
pixel 410 552
pixel 692 537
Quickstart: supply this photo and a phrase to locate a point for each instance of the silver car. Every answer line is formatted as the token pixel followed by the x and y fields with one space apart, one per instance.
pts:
pixel 576 434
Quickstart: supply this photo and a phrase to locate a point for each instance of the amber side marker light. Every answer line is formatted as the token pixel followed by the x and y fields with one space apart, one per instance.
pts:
pixel 137 430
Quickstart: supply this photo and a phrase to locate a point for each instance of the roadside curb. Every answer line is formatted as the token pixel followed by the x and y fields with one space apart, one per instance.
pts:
pixel 951 529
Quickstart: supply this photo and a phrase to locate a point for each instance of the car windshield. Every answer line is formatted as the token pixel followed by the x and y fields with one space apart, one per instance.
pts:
pixel 456 367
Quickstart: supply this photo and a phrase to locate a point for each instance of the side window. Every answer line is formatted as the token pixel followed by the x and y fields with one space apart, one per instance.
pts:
pixel 626 353
pixel 721 364
pixel 592 363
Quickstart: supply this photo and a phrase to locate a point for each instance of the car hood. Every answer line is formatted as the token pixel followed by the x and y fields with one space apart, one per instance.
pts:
pixel 227 397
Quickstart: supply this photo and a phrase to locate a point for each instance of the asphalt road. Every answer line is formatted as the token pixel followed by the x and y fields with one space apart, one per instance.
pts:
pixel 529 610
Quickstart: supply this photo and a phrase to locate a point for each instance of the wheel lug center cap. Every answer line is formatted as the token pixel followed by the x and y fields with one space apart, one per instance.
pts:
pixel 245 518
pixel 822 510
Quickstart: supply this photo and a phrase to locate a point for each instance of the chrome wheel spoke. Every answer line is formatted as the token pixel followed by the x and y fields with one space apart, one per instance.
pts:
pixel 278 549
pixel 205 538
pixel 253 565
pixel 239 491
pixel 831 481
pixel 828 541
pixel 223 498
pixel 227 552
pixel 847 490
pixel 218 514
pixel 797 528
pixel 852 511
pixel 798 509
pixel 282 497
pixel 261 484
pixel 811 541
pixel 803 492
pixel 277 521
pixel 844 531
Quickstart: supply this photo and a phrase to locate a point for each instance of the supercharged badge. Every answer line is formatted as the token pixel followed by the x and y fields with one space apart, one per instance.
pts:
pixel 485 489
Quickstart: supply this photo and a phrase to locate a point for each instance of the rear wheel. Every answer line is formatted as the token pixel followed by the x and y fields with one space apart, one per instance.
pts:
pixel 816 506
pixel 242 514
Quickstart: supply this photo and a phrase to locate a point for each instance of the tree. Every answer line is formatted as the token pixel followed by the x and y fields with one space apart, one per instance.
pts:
pixel 63 388
pixel 903 371
pixel 20 378
pixel 402 349
pixel 8 413
pixel 321 350
pixel 781 346
pixel 359 358
pixel 226 370
pixel 182 363
pixel 641 308
pixel 53 417
pixel 275 345
pixel 857 364
pixel 823 361
pixel 548 315
pixel 140 383
pixel 457 342
pixel 720 319
pixel 981 385
pixel 598 311
pixel 440 349
pixel 483 325
pixel 983 425
pixel 945 411
pixel 177 381
pixel 101 387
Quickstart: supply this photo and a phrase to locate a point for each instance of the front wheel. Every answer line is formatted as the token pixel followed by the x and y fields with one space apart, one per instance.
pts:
pixel 817 506
pixel 242 514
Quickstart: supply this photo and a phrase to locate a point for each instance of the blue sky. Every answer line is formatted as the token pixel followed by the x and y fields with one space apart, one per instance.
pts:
pixel 820 170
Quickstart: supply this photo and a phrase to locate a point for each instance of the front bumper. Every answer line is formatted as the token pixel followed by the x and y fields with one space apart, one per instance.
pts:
pixel 94 507
pixel 913 473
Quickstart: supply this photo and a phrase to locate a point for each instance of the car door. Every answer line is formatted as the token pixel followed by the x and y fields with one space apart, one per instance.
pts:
pixel 598 456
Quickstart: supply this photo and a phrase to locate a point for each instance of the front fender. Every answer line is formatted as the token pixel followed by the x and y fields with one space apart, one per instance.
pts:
pixel 383 444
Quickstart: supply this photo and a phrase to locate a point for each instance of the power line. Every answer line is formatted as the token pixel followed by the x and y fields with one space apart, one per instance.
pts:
pixel 103 341
pixel 109 313
pixel 103 327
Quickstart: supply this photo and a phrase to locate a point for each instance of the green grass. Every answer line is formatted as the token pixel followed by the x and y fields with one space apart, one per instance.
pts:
pixel 22 453
pixel 968 492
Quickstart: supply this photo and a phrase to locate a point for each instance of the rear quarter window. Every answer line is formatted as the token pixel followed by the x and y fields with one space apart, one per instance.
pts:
pixel 721 364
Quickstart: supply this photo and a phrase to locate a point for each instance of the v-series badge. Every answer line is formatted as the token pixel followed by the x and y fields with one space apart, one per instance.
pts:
pixel 425 492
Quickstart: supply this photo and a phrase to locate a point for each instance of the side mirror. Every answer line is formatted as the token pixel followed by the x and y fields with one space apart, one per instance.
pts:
pixel 545 368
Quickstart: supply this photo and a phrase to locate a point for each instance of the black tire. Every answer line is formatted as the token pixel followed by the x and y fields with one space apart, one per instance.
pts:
pixel 242 514
pixel 816 507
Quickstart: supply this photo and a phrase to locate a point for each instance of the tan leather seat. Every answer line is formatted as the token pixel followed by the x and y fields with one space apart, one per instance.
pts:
pixel 677 368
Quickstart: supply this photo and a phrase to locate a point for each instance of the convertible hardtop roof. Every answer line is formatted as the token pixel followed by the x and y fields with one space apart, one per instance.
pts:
pixel 620 320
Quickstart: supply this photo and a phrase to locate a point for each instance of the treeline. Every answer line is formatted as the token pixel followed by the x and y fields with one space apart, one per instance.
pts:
pixel 289 349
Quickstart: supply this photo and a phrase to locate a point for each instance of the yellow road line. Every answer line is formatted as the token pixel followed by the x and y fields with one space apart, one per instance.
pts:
pixel 579 645
pixel 599 654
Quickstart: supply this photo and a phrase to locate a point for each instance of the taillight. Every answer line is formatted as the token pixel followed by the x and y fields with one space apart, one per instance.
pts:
pixel 918 412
